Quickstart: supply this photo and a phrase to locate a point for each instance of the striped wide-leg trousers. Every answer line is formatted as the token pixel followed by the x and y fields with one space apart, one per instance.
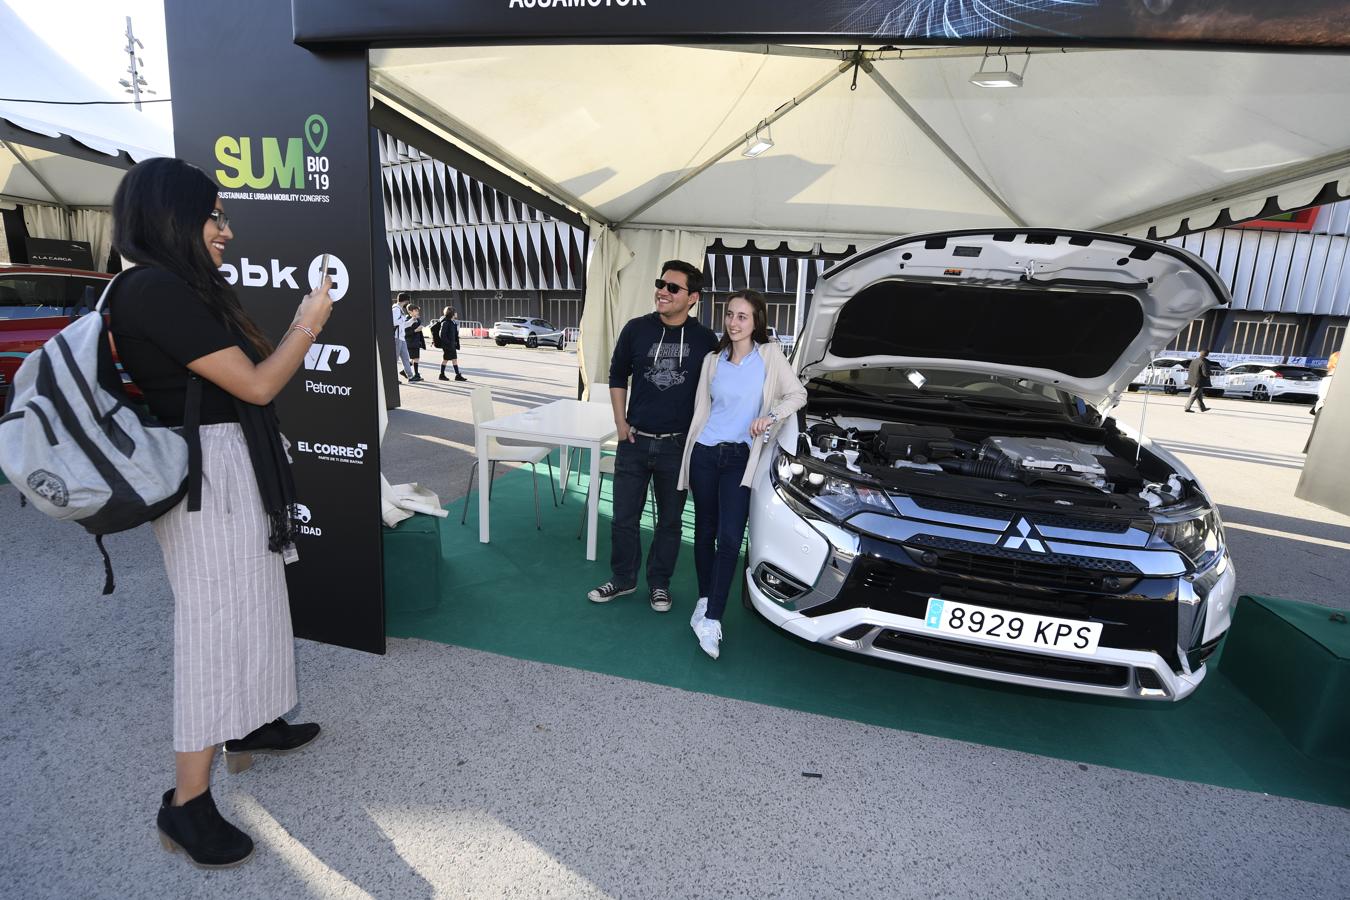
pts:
pixel 234 651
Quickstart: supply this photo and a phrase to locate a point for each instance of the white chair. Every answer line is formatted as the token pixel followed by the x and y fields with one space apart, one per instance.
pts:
pixel 484 410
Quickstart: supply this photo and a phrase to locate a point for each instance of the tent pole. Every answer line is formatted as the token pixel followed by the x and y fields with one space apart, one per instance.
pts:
pixel 65 207
pixel 913 114
pixel 735 145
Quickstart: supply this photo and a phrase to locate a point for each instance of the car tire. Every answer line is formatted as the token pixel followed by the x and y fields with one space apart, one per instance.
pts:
pixel 1170 388
pixel 1132 388
pixel 1260 394
pixel 562 344
pixel 532 342
pixel 501 343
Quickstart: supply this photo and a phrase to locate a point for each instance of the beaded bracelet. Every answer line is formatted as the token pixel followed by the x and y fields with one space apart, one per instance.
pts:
pixel 312 336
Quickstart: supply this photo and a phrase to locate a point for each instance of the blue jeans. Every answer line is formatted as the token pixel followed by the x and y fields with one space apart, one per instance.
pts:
pixel 654 460
pixel 721 508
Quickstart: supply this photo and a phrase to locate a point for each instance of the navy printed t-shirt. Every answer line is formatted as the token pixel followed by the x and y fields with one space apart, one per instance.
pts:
pixel 663 364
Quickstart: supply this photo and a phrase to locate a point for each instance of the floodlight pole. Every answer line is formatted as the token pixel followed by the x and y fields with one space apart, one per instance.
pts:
pixel 134 69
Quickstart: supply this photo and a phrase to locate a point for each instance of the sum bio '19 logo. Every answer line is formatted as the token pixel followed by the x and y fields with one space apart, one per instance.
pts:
pixel 275 162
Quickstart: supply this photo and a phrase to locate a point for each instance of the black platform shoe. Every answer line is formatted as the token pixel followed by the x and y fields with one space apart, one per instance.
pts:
pixel 199 830
pixel 279 736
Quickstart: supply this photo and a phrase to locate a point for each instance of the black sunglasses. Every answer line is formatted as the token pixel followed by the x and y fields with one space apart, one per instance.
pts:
pixel 218 216
pixel 671 287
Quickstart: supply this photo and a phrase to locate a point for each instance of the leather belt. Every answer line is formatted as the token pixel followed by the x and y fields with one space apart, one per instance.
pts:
pixel 659 437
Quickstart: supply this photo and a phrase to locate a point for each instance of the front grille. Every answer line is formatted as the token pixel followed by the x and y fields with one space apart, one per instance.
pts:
pixel 1058 570
pixel 1049 520
pixel 1008 661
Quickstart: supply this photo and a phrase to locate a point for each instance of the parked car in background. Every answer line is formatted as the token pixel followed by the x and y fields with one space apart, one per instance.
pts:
pixel 956 496
pixel 35 303
pixel 1170 374
pixel 1264 381
pixel 527 331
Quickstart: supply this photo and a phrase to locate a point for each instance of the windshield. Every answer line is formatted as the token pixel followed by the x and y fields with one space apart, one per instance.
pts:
pixel 972 388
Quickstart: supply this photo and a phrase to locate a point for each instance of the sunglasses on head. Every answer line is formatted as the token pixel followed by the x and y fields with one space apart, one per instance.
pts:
pixel 671 287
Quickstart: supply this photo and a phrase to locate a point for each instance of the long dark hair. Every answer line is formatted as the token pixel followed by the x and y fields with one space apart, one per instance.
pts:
pixel 158 214
pixel 760 332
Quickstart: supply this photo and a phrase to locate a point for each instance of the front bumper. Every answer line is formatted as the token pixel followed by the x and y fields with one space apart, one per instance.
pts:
pixel 868 596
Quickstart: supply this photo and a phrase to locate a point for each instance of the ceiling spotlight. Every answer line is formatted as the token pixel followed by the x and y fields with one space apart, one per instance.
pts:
pixel 996 79
pixel 758 142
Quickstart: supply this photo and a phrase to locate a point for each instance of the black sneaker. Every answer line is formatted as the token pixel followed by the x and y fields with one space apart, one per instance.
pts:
pixel 460 378
pixel 443 377
pixel 660 600
pixel 607 592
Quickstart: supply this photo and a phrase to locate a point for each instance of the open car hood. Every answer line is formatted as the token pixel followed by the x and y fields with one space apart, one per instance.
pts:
pixel 1082 311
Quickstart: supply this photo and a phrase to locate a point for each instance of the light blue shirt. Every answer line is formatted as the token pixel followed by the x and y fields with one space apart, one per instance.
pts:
pixel 737 392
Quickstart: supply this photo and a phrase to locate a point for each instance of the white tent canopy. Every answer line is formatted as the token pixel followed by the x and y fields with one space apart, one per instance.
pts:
pixel 62 155
pixel 1116 140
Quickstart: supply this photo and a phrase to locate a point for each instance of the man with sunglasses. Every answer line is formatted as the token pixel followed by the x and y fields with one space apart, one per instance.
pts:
pixel 661 353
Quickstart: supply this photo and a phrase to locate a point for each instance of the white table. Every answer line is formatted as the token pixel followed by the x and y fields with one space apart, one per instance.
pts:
pixel 562 423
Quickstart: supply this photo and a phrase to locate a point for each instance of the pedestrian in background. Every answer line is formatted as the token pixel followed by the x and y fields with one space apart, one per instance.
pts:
pixel 660 353
pixel 745 391
pixel 1197 377
pixel 400 314
pixel 446 332
pixel 175 320
pixel 416 341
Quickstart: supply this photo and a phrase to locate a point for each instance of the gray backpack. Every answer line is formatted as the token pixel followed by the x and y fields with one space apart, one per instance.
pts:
pixel 80 449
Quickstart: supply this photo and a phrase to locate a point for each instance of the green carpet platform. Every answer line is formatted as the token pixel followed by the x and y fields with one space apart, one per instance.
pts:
pixel 524 595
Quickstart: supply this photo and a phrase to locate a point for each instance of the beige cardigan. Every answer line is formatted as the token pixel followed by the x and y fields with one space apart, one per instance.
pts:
pixel 783 396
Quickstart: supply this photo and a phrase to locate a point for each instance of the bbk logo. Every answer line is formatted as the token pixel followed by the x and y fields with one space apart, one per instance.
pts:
pixel 1022 535
pixel 334 452
pixel 304 519
pixel 274 274
pixel 283 161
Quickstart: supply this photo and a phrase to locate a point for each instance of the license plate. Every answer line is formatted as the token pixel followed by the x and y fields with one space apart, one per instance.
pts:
pixel 1016 629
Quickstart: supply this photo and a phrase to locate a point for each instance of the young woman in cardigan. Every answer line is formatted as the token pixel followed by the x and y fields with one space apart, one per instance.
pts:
pixel 746 389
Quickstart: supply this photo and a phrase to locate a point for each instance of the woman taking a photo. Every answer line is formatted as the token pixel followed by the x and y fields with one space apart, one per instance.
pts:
pixel 746 389
pixel 176 321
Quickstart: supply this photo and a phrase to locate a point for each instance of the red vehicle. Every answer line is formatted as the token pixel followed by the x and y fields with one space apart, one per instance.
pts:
pixel 35 303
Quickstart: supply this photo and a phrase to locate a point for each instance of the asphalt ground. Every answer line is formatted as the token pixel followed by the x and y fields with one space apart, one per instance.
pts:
pixel 445 771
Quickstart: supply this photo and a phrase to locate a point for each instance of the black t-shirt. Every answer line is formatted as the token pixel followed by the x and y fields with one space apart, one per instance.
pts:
pixel 664 365
pixel 160 324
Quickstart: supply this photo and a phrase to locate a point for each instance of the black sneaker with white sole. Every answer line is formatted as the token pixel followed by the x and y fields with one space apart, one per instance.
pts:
pixel 660 600
pixel 607 592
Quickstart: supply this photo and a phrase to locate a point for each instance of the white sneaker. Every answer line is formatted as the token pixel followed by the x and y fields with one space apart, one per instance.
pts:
pixel 709 633
pixel 700 610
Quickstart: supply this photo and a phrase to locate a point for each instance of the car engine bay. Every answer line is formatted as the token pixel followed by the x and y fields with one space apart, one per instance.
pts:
pixel 1060 471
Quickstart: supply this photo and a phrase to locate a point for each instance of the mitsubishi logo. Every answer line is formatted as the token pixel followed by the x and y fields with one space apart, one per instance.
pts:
pixel 1022 535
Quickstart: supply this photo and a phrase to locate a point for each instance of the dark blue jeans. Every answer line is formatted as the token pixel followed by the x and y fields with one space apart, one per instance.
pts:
pixel 654 460
pixel 721 507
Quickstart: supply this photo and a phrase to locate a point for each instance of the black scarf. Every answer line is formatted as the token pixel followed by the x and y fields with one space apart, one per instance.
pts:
pixel 271 467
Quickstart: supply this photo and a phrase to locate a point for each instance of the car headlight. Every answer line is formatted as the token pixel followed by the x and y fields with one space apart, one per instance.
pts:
pixel 837 497
pixel 1198 537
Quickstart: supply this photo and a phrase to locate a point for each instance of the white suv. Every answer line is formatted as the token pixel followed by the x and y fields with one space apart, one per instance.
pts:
pixel 527 331
pixel 955 494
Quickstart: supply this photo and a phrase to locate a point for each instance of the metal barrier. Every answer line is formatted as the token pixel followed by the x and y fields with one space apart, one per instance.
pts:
pixel 471 328
pixel 571 335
